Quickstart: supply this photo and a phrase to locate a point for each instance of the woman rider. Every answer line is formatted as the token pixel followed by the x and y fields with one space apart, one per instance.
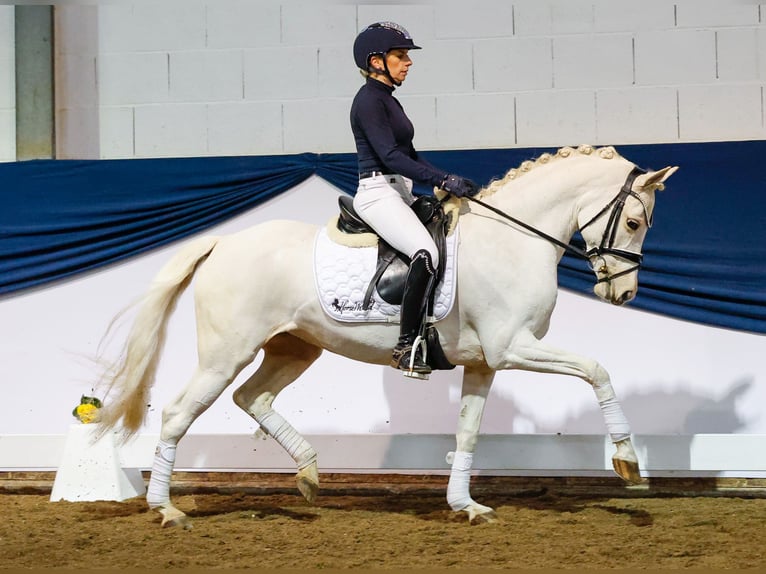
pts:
pixel 388 164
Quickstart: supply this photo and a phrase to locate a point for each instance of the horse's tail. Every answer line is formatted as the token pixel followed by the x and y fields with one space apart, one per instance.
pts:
pixel 132 374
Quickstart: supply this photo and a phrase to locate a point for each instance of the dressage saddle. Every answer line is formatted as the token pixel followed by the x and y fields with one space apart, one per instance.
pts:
pixel 392 265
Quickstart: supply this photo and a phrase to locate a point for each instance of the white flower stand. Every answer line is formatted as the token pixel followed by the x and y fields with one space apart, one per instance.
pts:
pixel 90 469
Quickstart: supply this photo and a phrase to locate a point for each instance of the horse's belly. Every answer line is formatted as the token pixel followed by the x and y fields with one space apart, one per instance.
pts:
pixel 368 342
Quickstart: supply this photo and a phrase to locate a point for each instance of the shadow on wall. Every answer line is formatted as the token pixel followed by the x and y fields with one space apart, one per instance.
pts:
pixel 661 412
pixel 658 412
pixel 680 413
pixel 413 403
pixel 414 406
pixel 718 416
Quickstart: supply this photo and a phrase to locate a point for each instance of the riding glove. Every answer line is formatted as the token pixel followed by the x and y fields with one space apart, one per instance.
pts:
pixel 459 186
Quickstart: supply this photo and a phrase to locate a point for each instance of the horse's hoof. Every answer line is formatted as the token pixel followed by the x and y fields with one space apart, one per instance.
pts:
pixel 308 482
pixel 480 514
pixel 182 522
pixel 172 517
pixel 485 518
pixel 628 471
pixel 308 489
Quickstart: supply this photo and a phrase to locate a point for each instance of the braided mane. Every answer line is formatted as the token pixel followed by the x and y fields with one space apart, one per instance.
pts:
pixel 607 152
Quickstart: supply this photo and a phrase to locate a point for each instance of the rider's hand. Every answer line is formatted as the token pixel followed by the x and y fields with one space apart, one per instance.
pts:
pixel 459 186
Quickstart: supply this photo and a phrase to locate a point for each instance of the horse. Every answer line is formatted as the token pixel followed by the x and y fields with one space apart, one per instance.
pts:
pixel 254 291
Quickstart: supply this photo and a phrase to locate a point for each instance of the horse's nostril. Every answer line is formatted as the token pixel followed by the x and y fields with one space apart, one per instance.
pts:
pixel 626 296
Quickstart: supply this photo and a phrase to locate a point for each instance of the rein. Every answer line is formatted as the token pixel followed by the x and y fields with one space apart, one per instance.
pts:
pixel 610 231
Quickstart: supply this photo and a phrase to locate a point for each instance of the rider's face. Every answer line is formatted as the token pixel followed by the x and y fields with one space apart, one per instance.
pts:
pixel 398 62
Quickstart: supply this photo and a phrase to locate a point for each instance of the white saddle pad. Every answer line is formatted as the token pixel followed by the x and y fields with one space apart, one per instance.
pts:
pixel 342 274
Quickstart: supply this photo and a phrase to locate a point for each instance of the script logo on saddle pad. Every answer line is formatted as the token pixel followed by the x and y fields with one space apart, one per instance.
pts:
pixel 343 273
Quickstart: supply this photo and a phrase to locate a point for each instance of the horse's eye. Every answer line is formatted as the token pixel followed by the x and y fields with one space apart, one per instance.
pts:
pixel 633 224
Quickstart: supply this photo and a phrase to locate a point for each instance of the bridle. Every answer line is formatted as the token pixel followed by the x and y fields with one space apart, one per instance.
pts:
pixel 606 247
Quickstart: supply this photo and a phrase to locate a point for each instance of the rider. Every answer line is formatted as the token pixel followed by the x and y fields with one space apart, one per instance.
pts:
pixel 388 164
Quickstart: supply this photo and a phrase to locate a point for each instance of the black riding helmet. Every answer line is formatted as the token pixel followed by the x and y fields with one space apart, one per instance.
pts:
pixel 378 40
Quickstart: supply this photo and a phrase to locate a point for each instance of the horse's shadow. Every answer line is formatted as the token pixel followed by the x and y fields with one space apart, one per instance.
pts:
pixel 575 504
pixel 254 511
pixel 107 509
pixel 429 507
pixel 432 508
pixel 682 411
pixel 261 507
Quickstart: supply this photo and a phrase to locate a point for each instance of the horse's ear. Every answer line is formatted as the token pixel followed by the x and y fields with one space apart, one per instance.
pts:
pixel 655 179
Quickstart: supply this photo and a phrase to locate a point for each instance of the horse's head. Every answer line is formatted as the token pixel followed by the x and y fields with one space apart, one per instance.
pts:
pixel 615 234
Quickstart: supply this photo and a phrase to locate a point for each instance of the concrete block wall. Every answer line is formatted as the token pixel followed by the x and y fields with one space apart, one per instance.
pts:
pixel 77 98
pixel 230 77
pixel 7 86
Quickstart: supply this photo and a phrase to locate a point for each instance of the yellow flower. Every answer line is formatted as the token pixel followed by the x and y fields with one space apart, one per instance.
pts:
pixel 87 413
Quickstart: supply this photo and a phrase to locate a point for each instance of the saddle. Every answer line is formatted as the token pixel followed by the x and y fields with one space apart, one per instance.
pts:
pixel 392 265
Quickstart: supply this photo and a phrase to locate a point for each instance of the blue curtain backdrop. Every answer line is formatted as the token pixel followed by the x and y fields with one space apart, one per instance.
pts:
pixel 705 258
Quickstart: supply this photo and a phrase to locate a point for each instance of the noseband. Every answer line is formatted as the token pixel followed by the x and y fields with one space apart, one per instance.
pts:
pixel 610 231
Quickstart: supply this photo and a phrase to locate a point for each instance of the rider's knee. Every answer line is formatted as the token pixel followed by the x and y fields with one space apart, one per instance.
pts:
pixel 430 254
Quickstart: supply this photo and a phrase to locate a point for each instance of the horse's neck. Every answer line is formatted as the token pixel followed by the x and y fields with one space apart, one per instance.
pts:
pixel 549 197
pixel 542 199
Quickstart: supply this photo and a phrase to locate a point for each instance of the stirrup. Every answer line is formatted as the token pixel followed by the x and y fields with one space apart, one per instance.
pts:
pixel 405 359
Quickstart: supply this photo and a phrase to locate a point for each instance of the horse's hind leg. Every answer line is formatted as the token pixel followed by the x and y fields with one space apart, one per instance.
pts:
pixel 476 385
pixel 285 358
pixel 205 387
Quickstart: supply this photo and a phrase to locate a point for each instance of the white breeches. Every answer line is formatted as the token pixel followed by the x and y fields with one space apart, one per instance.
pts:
pixel 383 202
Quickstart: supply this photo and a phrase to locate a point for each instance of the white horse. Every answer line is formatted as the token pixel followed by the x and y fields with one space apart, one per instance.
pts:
pixel 255 290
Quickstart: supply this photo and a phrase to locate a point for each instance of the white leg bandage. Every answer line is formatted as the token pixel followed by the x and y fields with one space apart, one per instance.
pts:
pixel 288 438
pixel 616 424
pixel 158 492
pixel 458 493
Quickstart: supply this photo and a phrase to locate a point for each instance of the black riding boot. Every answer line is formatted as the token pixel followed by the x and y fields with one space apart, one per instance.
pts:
pixel 417 290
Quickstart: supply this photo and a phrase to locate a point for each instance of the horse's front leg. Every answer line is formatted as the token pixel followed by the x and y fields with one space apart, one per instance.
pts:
pixel 529 353
pixel 476 385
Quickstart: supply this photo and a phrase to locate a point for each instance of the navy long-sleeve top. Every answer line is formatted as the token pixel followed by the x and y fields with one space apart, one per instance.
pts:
pixel 383 135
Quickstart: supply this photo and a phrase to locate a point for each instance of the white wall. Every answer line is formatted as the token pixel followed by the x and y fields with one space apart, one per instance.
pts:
pixel 7 86
pixel 237 77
